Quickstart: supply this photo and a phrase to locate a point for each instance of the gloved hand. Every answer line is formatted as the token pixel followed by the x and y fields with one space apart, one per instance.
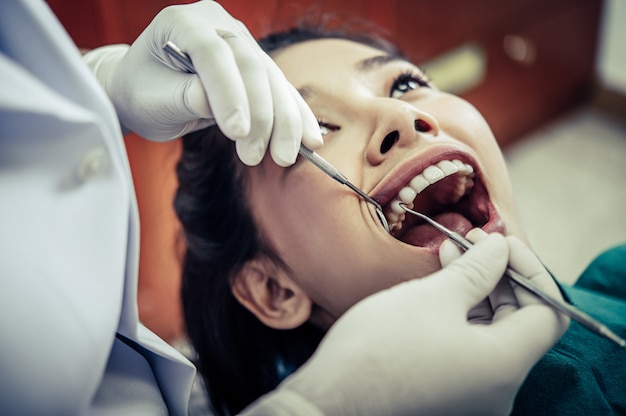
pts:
pixel 501 295
pixel 411 350
pixel 238 86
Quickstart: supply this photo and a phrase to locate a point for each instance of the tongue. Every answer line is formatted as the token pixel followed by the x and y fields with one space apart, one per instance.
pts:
pixel 426 235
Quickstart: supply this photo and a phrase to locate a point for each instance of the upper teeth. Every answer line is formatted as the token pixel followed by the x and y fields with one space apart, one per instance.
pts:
pixel 432 174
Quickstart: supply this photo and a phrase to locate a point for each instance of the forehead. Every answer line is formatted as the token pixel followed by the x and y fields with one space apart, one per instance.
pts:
pixel 313 60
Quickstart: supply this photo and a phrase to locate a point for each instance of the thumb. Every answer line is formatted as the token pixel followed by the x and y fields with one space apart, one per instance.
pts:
pixel 475 274
pixel 448 252
pixel 195 99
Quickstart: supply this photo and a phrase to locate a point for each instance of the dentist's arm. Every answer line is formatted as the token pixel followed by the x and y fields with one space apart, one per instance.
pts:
pixel 238 87
pixel 412 350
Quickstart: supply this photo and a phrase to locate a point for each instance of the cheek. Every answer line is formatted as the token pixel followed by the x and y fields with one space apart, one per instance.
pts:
pixel 301 216
pixel 284 209
pixel 317 227
pixel 365 271
pixel 463 122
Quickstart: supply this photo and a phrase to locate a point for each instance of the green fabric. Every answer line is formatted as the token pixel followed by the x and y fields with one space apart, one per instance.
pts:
pixel 607 274
pixel 585 374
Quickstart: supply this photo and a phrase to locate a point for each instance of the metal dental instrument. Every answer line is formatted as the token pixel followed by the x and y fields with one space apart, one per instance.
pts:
pixel 569 310
pixel 180 56
pixel 334 173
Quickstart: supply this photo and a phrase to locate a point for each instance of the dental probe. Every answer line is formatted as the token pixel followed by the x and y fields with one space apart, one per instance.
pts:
pixel 334 173
pixel 569 310
pixel 180 56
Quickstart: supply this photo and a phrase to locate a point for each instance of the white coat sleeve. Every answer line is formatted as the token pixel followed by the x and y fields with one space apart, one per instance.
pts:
pixel 64 219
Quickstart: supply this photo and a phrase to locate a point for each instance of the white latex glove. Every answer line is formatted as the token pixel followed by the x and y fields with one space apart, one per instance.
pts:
pixel 410 350
pixel 501 295
pixel 238 86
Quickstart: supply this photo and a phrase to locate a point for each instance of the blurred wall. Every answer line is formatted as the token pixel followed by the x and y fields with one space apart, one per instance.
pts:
pixel 611 63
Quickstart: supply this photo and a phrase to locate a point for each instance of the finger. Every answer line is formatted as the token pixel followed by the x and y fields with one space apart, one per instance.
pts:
pixel 195 98
pixel 448 252
pixel 476 273
pixel 188 107
pixel 503 300
pixel 531 331
pixel 251 150
pixel 217 68
pixel 287 128
pixel 476 234
pixel 481 313
pixel 195 121
pixel 250 61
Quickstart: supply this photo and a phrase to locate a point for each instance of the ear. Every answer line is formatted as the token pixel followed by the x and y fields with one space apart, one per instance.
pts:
pixel 267 291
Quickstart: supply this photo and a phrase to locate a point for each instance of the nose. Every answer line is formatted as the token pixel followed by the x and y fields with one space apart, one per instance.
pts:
pixel 397 123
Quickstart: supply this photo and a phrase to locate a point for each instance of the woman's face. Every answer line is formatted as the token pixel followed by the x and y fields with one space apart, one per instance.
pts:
pixel 368 104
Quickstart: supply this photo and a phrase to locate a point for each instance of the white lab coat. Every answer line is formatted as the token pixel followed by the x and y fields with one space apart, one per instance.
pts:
pixel 70 339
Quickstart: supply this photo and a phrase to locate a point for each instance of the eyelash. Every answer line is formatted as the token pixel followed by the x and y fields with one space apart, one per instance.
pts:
pixel 327 128
pixel 410 80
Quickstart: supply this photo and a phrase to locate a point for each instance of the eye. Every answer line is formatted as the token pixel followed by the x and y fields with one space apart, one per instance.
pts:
pixel 406 82
pixel 327 128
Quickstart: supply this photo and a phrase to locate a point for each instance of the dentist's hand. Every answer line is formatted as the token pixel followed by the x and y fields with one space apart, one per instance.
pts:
pixel 411 350
pixel 237 86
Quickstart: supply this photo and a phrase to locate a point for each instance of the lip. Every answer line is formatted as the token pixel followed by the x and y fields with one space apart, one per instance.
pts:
pixel 398 178
pixel 389 186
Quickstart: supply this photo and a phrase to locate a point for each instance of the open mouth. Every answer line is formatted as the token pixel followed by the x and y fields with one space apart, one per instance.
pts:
pixel 447 190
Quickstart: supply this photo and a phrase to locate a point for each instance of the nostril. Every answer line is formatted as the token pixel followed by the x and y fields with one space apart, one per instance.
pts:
pixel 422 126
pixel 389 141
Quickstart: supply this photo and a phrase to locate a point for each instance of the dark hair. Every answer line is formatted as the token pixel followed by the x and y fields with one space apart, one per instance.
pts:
pixel 239 357
pixel 311 31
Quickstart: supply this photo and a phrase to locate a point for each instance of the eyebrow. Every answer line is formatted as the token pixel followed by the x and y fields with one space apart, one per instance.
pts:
pixel 376 62
pixel 366 65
